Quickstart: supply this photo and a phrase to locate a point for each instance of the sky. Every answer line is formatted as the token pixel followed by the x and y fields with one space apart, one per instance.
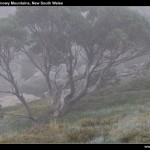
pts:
pixel 6 10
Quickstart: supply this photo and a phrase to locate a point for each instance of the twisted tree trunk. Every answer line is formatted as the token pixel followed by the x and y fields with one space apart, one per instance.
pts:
pixel 30 114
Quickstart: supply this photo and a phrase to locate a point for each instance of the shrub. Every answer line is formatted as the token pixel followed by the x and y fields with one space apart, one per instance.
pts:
pixel 132 129
pixel 142 83
pixel 90 122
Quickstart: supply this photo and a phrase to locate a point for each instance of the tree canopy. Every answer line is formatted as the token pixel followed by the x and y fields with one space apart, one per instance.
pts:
pixel 61 37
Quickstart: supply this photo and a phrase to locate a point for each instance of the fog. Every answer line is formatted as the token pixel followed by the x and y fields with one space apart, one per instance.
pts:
pixel 29 78
pixel 5 11
pixel 76 65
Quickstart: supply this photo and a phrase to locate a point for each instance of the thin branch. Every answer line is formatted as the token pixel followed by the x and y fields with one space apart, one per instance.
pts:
pixel 9 92
pixel 31 59
pixel 83 57
pixel 3 76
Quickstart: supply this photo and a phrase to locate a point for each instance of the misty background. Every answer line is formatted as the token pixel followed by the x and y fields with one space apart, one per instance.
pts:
pixel 119 105
pixel 29 78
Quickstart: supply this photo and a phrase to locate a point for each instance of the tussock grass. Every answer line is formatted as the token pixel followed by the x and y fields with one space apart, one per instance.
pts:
pixel 115 117
pixel 132 129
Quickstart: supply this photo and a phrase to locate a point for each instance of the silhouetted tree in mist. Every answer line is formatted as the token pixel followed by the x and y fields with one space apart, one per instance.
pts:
pixel 58 38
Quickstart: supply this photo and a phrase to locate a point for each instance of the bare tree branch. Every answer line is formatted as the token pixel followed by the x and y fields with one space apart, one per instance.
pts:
pixel 7 92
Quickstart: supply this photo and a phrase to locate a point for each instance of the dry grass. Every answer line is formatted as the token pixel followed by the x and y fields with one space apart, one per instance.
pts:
pixel 81 135
pixel 132 129
pixel 117 118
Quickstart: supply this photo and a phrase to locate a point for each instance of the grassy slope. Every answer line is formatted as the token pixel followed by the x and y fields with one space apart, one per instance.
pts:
pixel 111 118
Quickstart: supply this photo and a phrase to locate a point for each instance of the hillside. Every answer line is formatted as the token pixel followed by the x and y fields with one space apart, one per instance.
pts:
pixel 52 59
pixel 107 116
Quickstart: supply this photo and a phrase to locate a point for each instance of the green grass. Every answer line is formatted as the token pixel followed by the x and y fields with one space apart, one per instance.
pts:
pixel 117 117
